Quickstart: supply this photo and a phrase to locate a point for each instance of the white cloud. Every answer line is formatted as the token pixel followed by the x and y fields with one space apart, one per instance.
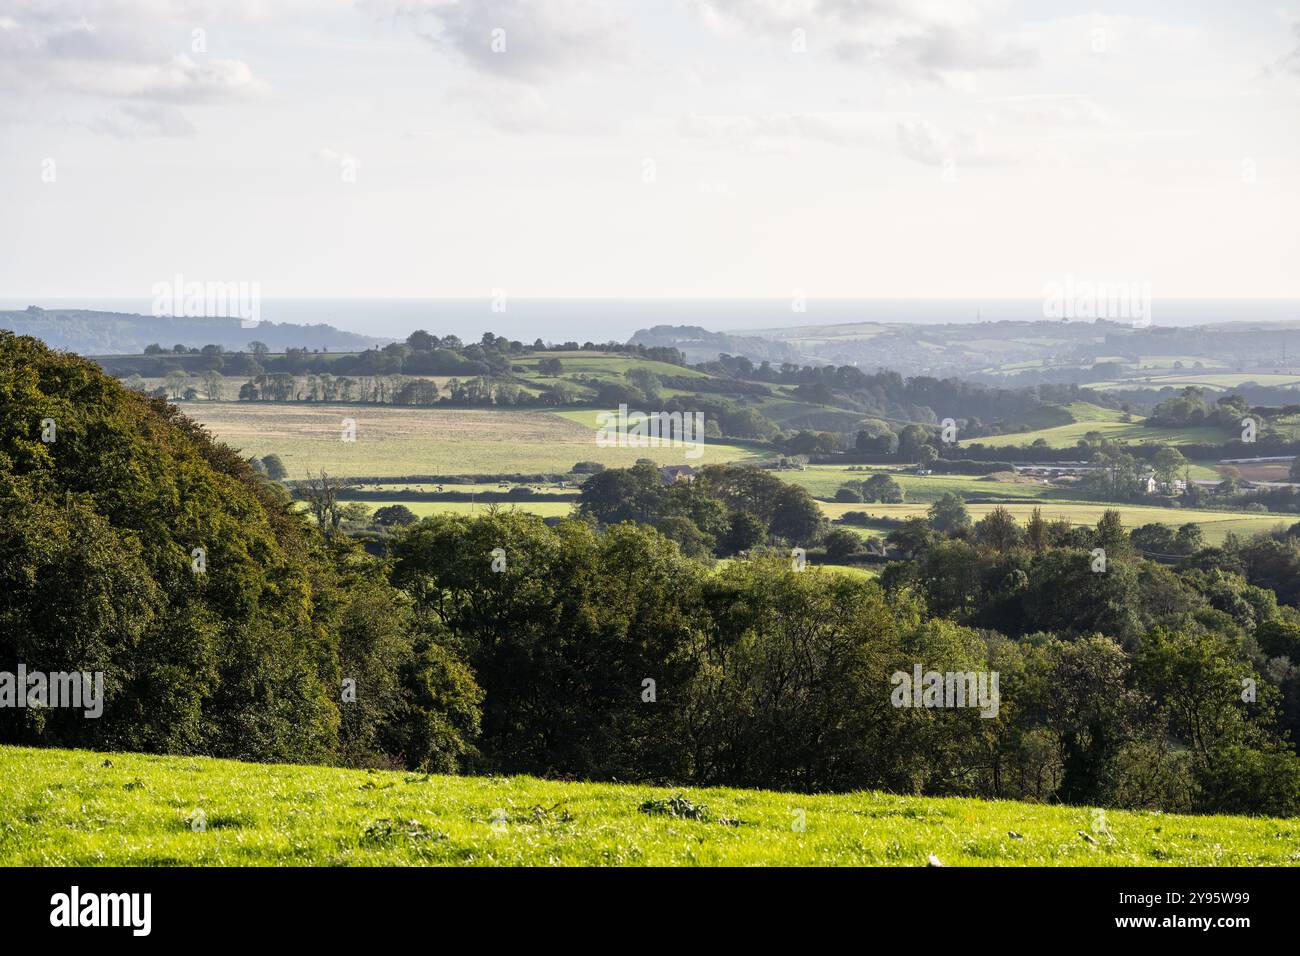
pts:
pixel 708 88
pixel 114 50
pixel 182 79
pixel 516 108
pixel 923 142
pixel 1291 62
pixel 138 121
pixel 936 40
pixel 781 132
pixel 1048 110
pixel 524 40
pixel 332 157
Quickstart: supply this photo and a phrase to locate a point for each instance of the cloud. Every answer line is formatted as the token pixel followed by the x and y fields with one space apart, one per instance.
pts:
pixel 923 142
pixel 333 157
pixel 1291 62
pixel 138 121
pixel 113 50
pixel 519 109
pixel 915 138
pixel 182 79
pixel 940 53
pixel 1049 110
pixel 529 41
pixel 782 132
pixel 937 40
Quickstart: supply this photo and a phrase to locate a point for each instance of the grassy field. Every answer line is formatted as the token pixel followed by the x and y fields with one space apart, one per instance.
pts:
pixel 1067 436
pixel 1215 524
pixel 850 570
pixel 822 481
pixel 429 441
pixel 607 366
pixel 421 509
pixel 1105 421
pixel 544 488
pixel 1088 412
pixel 77 808
pixel 1217 381
pixel 921 492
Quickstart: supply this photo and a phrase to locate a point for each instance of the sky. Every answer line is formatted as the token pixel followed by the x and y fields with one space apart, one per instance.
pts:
pixel 647 148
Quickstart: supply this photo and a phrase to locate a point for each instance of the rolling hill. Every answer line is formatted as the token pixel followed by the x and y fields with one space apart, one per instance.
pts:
pixel 80 808
pixel 108 333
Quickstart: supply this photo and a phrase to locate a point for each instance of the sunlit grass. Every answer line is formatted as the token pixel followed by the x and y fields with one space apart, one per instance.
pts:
pixel 77 808
pixel 395 441
pixel 1214 524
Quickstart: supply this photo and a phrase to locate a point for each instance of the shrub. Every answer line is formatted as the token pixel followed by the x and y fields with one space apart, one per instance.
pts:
pixel 842 544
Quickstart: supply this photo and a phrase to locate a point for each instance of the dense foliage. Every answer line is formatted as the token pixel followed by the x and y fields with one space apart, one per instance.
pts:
pixel 132 545
pixel 599 648
pixel 612 656
pixel 725 510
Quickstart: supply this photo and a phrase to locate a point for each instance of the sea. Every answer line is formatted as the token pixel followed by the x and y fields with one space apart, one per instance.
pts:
pixel 605 320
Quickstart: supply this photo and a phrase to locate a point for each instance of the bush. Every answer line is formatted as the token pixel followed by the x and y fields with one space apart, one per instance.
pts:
pixel 391 516
pixel 275 469
pixel 842 544
pixel 1240 779
pixel 856 518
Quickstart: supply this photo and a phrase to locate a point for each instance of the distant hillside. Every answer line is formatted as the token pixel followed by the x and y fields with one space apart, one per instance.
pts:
pixel 119 333
pixel 701 345
pixel 1259 359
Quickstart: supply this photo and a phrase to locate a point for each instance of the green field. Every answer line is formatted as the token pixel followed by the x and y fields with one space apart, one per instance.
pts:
pixel 1216 381
pixel 822 481
pixel 494 487
pixel 608 366
pixel 1067 436
pixel 421 509
pixel 77 808
pixel 1088 412
pixel 429 441
pixel 850 570
pixel 1215 524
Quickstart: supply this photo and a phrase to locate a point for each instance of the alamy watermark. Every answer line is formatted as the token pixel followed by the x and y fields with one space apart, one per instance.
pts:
pixel 130 910
pixel 1084 299
pixel 946 689
pixel 654 430
pixel 38 689
pixel 213 300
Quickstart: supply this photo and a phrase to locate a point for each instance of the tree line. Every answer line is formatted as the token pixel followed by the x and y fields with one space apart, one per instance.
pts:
pixel 595 648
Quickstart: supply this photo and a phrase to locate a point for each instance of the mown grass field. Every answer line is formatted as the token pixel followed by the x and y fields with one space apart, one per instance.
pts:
pixel 823 481
pixel 78 808
pixel 1214 524
pixel 546 488
pixel 791 412
pixel 921 491
pixel 607 366
pixel 428 441
pixel 421 509
pixel 1067 436
pixel 1215 381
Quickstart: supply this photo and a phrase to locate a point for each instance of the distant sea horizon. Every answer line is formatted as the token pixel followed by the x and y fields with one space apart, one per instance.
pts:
pixel 603 320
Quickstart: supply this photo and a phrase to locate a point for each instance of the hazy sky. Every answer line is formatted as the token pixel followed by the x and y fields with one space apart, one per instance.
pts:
pixel 656 148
